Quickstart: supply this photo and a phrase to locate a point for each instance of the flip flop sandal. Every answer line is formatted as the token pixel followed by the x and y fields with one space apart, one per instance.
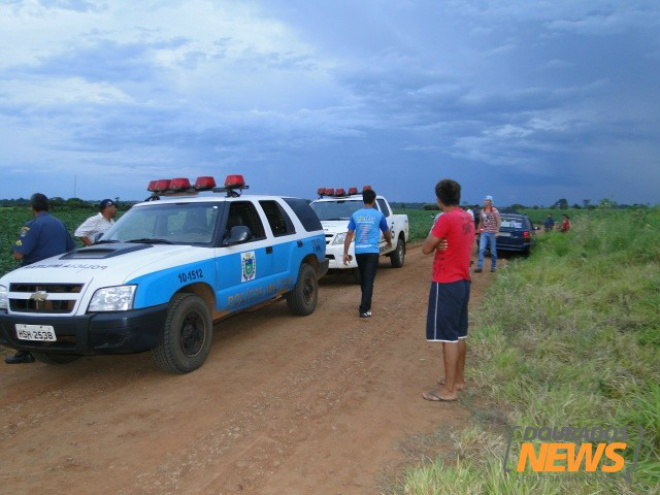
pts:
pixel 433 397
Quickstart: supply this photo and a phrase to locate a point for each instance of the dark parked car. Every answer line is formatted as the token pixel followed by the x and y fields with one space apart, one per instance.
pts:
pixel 516 233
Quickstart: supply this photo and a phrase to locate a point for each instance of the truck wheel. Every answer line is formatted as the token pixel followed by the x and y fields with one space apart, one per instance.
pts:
pixel 302 299
pixel 187 335
pixel 48 358
pixel 398 256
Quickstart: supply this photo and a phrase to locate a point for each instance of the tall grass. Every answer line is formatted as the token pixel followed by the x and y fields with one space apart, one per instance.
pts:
pixel 568 337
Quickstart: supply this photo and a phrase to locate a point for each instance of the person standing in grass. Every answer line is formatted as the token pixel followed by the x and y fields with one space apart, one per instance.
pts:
pixel 549 223
pixel 566 224
pixel 490 224
pixel 451 241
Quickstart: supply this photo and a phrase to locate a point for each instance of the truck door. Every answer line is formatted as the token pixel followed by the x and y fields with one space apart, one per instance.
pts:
pixel 283 233
pixel 243 269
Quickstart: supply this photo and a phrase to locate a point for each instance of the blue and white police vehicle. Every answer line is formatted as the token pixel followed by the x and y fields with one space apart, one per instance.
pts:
pixel 164 273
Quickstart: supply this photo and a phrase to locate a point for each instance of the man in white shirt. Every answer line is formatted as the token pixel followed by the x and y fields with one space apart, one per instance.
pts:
pixel 91 229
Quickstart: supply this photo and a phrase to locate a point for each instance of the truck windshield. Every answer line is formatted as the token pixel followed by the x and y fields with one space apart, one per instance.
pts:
pixel 340 209
pixel 167 223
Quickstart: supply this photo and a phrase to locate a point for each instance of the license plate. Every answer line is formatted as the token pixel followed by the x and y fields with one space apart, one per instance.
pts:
pixel 36 332
pixel 505 234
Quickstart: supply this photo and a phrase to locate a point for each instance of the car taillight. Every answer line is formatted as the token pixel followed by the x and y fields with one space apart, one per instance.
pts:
pixel 526 234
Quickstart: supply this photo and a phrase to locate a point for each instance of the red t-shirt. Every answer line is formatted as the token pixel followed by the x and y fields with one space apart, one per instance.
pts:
pixel 453 264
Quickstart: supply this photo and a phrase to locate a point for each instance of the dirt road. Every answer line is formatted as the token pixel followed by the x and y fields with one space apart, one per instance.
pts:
pixel 314 405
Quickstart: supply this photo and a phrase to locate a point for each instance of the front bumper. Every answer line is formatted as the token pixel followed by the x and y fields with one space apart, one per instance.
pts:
pixel 122 332
pixel 335 255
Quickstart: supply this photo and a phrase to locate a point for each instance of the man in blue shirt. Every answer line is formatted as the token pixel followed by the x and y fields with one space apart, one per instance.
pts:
pixel 41 238
pixel 365 225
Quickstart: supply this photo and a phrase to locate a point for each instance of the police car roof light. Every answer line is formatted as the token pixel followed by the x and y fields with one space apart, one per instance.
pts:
pixel 162 185
pixel 179 184
pixel 205 183
pixel 234 182
pixel 330 191
pixel 352 190
pixel 321 191
pixel 366 188
pixel 152 186
pixel 340 192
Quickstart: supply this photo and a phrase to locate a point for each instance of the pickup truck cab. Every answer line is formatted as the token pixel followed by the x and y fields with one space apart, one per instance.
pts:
pixel 334 208
pixel 164 273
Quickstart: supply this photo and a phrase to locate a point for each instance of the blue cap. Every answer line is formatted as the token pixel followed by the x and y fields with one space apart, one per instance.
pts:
pixel 105 203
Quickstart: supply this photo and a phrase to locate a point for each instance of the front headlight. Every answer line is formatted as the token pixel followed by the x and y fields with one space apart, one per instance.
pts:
pixel 4 297
pixel 119 298
pixel 339 238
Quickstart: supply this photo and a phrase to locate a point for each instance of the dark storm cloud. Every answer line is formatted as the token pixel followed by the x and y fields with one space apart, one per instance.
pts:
pixel 529 100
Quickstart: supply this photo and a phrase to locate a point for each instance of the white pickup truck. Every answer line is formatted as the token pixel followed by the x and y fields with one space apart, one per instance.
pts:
pixel 334 208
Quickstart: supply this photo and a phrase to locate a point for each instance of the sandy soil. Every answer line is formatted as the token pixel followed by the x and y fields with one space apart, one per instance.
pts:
pixel 323 404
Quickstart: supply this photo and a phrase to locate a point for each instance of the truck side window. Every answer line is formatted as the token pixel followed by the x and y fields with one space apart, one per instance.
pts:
pixel 305 214
pixel 384 209
pixel 244 213
pixel 279 221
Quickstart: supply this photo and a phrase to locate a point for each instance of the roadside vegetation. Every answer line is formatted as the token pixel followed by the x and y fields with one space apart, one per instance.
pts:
pixel 420 223
pixel 567 337
pixel 12 218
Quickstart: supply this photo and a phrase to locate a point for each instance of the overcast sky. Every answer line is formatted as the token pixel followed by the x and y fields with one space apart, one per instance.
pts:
pixel 527 100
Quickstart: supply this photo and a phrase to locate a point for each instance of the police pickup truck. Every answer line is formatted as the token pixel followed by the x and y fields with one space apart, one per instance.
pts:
pixel 164 273
pixel 334 208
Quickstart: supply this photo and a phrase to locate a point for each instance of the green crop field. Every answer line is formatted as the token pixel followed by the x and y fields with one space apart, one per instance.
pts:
pixel 12 218
pixel 420 224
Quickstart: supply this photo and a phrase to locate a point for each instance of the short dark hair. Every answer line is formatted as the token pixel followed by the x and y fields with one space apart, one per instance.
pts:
pixel 368 196
pixel 39 202
pixel 449 192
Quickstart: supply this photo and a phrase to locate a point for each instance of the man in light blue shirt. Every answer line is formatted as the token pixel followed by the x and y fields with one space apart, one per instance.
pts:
pixel 365 225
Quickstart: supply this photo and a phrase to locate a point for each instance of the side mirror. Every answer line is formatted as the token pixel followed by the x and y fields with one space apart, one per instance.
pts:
pixel 238 235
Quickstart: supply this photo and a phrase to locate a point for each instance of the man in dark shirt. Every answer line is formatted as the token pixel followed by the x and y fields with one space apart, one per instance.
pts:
pixel 40 238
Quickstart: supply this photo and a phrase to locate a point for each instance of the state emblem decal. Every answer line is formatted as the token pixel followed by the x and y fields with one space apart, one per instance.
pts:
pixel 248 266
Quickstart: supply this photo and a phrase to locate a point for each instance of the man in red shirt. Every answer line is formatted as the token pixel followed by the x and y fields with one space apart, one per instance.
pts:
pixel 451 240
